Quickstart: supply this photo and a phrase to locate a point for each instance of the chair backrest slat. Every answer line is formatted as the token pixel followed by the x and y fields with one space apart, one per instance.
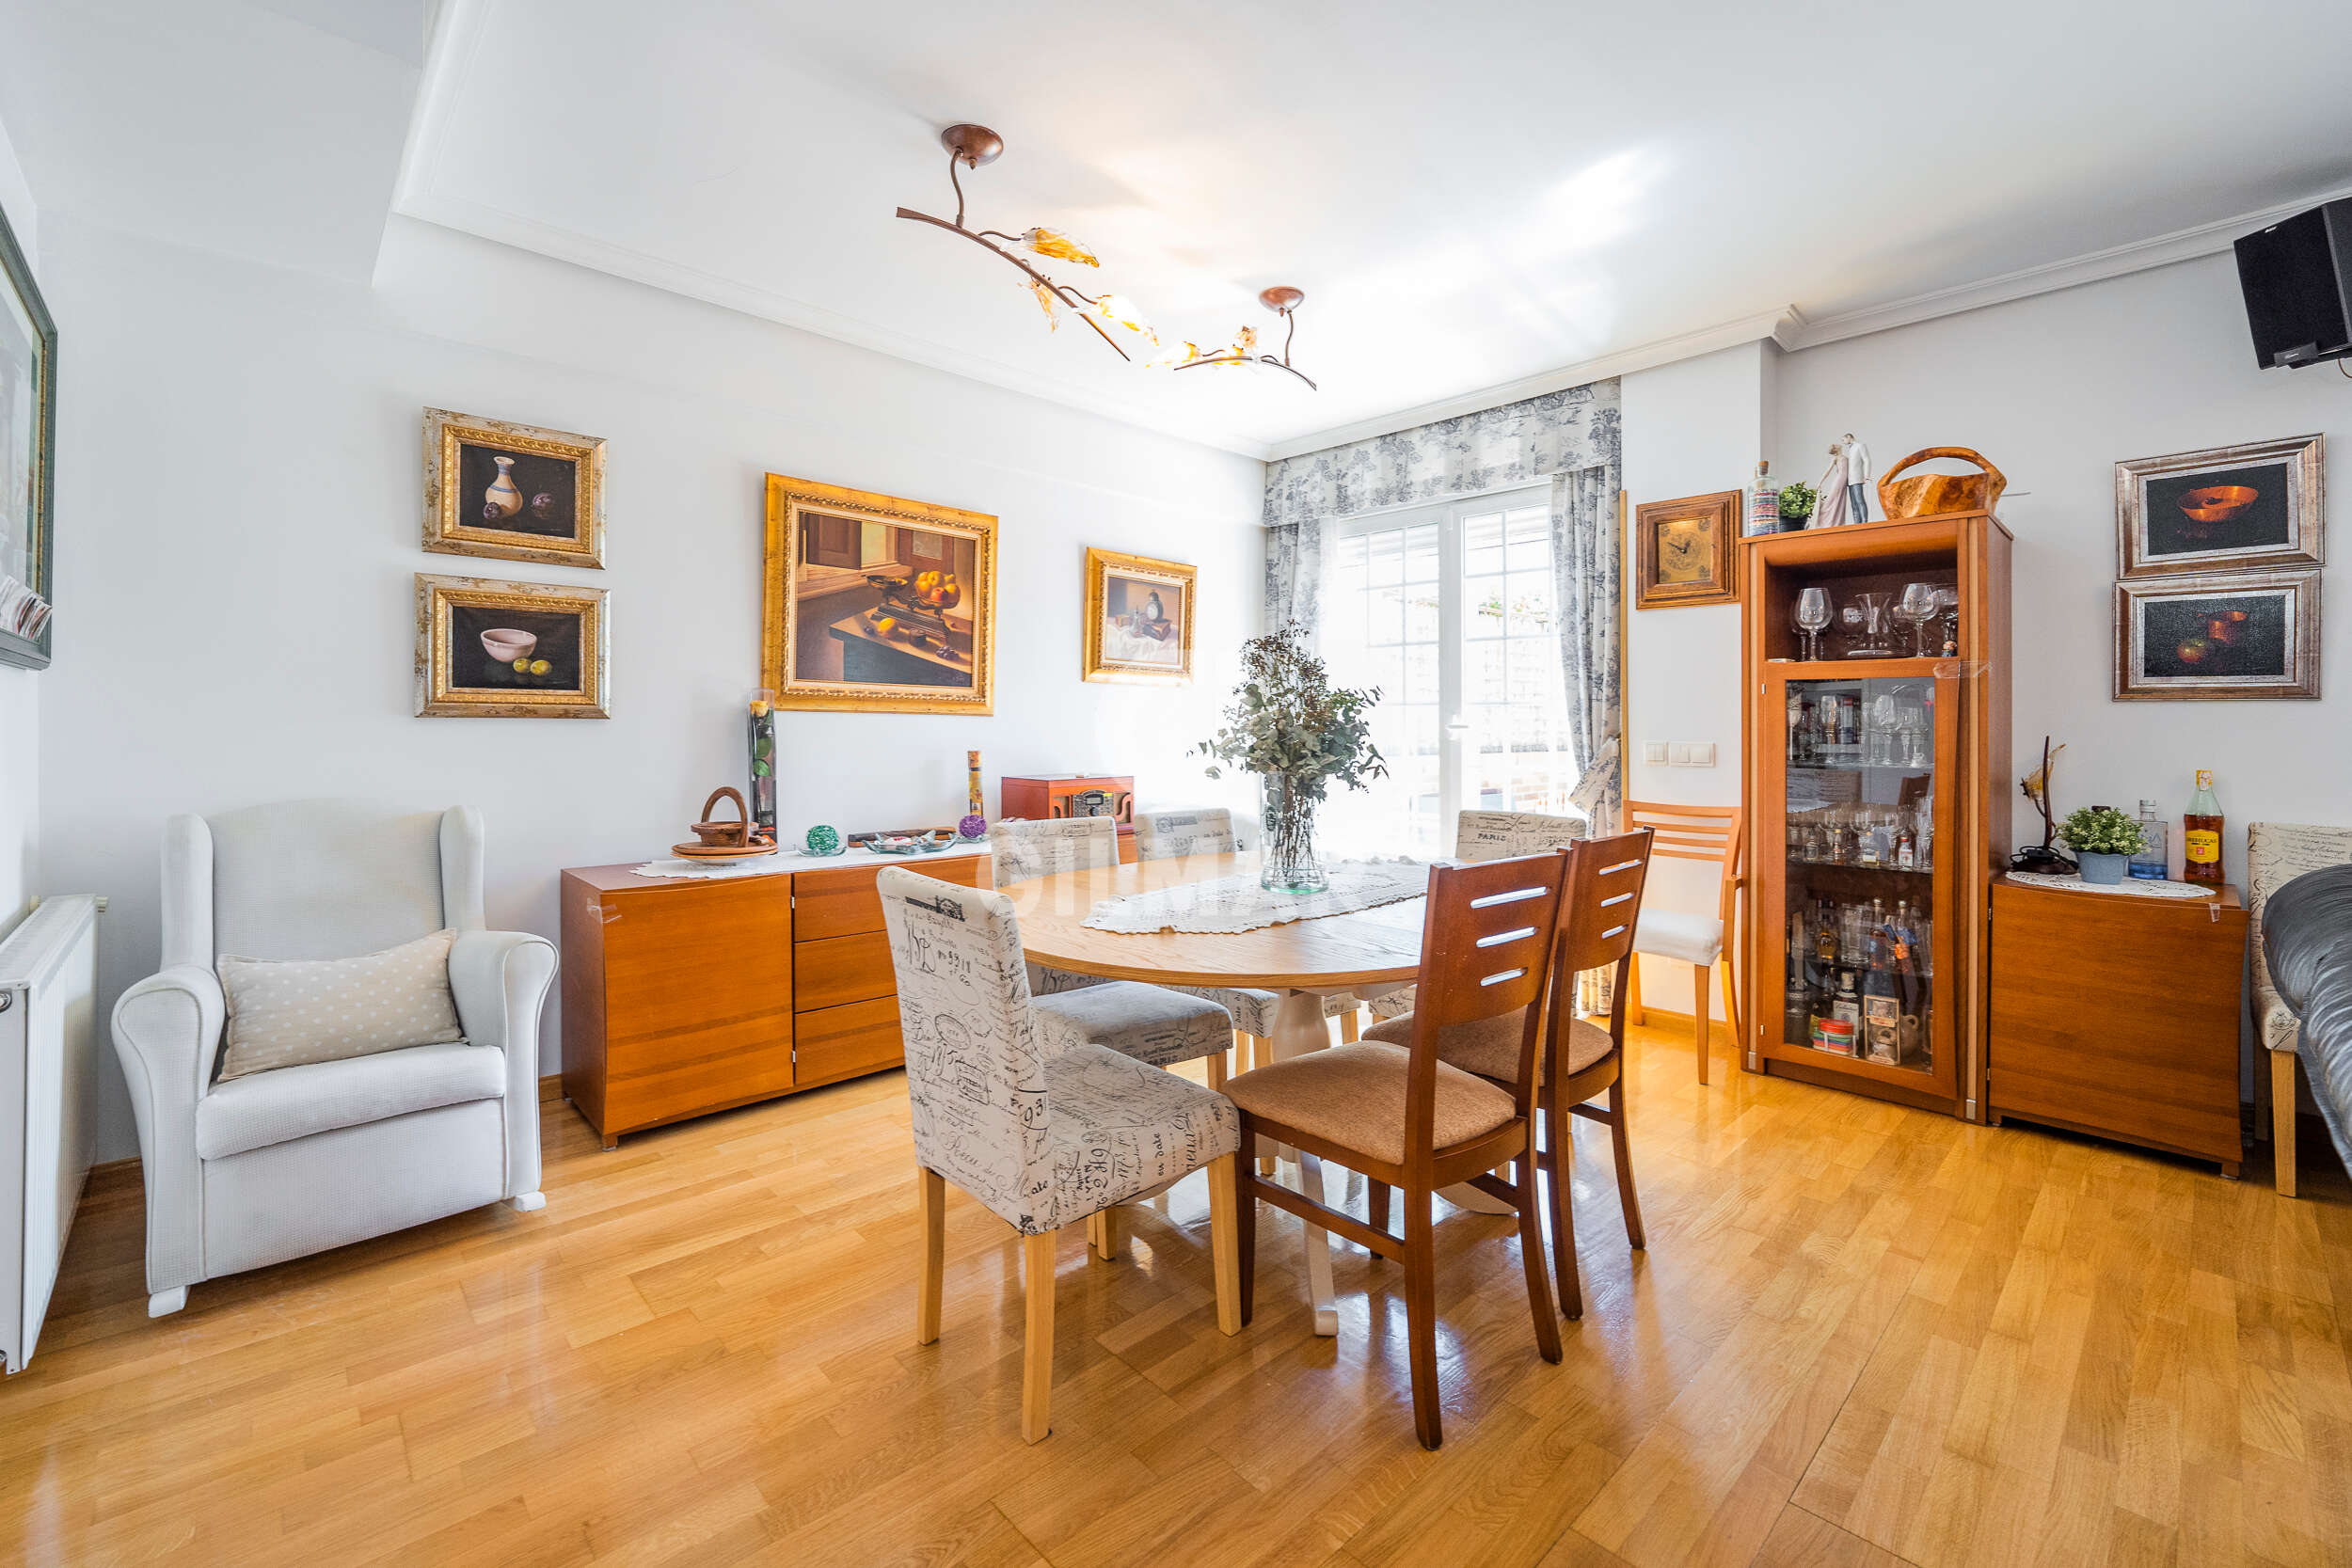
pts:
pixel 1601 900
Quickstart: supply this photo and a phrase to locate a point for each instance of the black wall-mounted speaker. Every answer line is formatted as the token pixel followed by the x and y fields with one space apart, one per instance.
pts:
pixel 2297 278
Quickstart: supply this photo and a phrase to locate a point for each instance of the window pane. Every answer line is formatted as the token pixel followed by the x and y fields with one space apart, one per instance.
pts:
pixel 1481 607
pixel 1388 557
pixel 1530 603
pixel 1482 545
pixel 1420 554
pixel 1527 530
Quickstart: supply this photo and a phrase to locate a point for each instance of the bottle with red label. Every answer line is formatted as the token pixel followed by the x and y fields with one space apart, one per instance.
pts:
pixel 2200 835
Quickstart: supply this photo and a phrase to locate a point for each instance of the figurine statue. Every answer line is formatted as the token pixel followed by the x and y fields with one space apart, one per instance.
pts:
pixel 1830 510
pixel 1857 481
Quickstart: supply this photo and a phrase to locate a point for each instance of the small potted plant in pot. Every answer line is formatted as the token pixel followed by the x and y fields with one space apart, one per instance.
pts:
pixel 2104 841
pixel 1796 506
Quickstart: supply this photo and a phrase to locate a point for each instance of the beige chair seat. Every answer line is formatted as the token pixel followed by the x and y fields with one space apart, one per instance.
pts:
pixel 289 1102
pixel 1694 938
pixel 1354 1095
pixel 1489 1046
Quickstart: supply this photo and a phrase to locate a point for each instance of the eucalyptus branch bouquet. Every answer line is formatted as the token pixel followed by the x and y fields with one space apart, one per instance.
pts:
pixel 1291 727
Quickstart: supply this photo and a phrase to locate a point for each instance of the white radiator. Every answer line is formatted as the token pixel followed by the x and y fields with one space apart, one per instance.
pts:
pixel 48 1067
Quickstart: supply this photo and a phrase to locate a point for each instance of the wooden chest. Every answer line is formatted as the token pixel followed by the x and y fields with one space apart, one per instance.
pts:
pixel 2119 1016
pixel 683 996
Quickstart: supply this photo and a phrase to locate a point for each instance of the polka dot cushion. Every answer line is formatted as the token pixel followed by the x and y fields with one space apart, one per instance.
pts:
pixel 288 1012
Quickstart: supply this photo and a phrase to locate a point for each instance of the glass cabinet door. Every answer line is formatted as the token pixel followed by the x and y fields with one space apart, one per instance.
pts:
pixel 1858 862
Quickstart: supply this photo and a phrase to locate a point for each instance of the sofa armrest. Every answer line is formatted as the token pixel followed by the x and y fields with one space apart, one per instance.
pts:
pixel 500 980
pixel 168 1031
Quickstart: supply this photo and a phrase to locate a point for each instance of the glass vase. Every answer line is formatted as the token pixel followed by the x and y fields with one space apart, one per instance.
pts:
pixel 761 739
pixel 1286 818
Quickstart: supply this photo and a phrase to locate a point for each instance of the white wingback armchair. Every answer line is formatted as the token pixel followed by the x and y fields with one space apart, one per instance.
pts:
pixel 280 1163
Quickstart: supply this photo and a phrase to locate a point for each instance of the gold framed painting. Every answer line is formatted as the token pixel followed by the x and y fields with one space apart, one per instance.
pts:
pixel 876 604
pixel 487 649
pixel 1683 551
pixel 512 492
pixel 1139 620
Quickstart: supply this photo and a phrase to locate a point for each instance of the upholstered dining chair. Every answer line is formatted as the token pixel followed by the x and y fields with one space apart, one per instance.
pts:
pixel 1713 835
pixel 254 1169
pixel 2276 854
pixel 1042 1136
pixel 1172 834
pixel 1158 1024
pixel 1406 1119
pixel 1492 835
pixel 1600 892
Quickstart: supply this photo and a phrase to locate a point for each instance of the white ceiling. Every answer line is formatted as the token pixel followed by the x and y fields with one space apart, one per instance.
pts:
pixel 1474 195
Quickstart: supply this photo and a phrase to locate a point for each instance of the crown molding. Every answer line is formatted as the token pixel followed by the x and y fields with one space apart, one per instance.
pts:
pixel 1664 351
pixel 2182 244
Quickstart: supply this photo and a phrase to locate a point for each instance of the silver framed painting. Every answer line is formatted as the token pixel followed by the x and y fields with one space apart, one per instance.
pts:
pixel 2244 635
pixel 28 445
pixel 2253 507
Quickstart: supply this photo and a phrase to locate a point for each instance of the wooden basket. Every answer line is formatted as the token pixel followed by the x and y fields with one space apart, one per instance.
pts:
pixel 1940 495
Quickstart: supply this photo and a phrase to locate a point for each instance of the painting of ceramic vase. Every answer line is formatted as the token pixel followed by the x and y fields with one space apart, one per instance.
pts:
pixel 504 496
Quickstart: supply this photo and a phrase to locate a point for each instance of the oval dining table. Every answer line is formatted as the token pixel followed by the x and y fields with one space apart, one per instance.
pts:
pixel 1364 951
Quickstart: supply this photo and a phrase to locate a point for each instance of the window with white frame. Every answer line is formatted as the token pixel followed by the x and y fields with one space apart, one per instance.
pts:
pixel 1449 609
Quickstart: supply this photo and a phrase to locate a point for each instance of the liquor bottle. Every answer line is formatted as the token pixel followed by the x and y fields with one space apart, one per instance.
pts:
pixel 1906 848
pixel 1825 936
pixel 1849 720
pixel 2152 863
pixel 2200 833
pixel 1846 1013
pixel 1882 1006
pixel 1764 501
pixel 1797 1006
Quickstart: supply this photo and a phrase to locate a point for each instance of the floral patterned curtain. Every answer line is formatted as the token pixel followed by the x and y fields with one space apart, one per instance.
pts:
pixel 1571 436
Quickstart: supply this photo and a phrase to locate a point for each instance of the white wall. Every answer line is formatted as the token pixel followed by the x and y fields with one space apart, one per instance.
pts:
pixel 2055 391
pixel 19 689
pixel 243 445
pixel 1691 428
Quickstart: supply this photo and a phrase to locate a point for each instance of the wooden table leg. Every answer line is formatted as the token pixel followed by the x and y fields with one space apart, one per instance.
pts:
pixel 1298 1029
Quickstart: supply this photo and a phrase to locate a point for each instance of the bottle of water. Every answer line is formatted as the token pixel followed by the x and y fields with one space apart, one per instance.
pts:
pixel 2151 864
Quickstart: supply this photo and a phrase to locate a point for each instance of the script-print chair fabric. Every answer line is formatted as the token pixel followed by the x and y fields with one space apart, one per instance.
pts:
pixel 1151 1024
pixel 1041 1135
pixel 1174 834
pixel 1492 835
pixel 253 1170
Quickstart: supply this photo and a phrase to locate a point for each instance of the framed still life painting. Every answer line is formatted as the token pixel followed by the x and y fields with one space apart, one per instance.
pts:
pixel 874 604
pixel 512 492
pixel 28 444
pixel 1139 620
pixel 510 650
pixel 1683 551
pixel 2241 634
pixel 2256 507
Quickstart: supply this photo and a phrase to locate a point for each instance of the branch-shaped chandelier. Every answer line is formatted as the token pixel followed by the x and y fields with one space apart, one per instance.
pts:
pixel 973 146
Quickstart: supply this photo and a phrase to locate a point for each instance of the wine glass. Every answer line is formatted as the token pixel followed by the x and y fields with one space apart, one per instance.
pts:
pixel 1917 607
pixel 1812 616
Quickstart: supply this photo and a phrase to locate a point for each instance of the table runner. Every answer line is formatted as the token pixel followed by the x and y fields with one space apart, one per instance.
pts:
pixel 2137 886
pixel 1237 903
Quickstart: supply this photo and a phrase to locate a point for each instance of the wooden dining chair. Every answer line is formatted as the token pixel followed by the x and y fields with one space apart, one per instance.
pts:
pixel 1713 835
pixel 1403 1117
pixel 1600 898
pixel 1043 1135
pixel 1491 835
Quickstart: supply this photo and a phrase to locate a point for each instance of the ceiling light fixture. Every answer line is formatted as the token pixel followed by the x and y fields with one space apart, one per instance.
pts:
pixel 975 145
pixel 1285 302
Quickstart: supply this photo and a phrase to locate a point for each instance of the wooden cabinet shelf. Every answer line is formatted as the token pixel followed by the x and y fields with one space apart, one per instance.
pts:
pixel 685 996
pixel 1877 804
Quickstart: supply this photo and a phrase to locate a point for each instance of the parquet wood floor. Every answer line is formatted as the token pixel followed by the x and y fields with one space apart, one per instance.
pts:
pixel 1861 1336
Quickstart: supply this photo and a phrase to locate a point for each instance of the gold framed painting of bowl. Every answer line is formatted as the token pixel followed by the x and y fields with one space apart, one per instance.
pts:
pixel 487 649
pixel 2257 506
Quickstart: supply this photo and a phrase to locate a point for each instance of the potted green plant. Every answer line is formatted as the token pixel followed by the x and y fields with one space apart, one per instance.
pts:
pixel 1797 502
pixel 2104 841
pixel 1298 732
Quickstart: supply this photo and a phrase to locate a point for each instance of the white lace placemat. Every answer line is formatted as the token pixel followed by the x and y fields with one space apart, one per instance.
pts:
pixel 2134 886
pixel 1225 903
pixel 717 871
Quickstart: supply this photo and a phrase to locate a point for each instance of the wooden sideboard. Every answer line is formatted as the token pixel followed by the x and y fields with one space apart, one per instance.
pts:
pixel 2117 1016
pixel 687 995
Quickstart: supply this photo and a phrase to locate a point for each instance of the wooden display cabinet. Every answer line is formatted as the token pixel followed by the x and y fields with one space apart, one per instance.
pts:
pixel 1926 753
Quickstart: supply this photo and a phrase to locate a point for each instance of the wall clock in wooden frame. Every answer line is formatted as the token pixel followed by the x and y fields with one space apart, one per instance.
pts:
pixel 1683 551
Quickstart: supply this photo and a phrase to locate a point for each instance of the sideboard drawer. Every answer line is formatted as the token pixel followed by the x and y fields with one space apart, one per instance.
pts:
pixel 841 902
pixel 844 1041
pixel 842 969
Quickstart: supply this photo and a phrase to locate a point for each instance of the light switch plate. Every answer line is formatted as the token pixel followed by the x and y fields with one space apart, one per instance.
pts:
pixel 1690 753
pixel 1654 753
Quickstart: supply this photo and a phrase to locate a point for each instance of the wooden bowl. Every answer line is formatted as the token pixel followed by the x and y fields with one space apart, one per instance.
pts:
pixel 2218 503
pixel 720 852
